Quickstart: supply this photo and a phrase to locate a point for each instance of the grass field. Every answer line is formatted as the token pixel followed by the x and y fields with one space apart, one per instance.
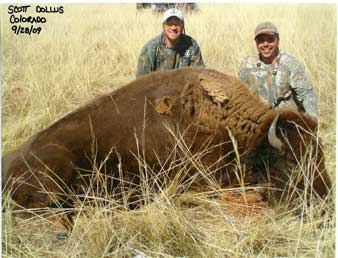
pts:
pixel 93 49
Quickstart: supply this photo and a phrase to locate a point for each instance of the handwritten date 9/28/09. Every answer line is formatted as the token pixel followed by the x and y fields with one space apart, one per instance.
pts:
pixel 26 30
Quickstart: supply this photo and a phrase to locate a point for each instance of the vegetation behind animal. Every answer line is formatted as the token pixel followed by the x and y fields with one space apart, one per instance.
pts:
pixel 93 49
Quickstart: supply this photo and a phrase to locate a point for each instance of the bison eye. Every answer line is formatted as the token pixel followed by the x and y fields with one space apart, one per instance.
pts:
pixel 28 199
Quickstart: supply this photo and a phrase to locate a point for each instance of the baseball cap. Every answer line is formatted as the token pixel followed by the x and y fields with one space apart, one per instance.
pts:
pixel 173 12
pixel 266 28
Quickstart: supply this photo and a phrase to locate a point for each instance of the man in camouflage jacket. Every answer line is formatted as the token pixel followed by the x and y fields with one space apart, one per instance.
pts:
pixel 171 49
pixel 277 76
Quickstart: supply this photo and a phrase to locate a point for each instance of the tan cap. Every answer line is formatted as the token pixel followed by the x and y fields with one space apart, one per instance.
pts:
pixel 266 28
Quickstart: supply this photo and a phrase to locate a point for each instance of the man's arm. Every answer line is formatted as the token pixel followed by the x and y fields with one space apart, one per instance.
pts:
pixel 196 58
pixel 305 93
pixel 243 73
pixel 145 61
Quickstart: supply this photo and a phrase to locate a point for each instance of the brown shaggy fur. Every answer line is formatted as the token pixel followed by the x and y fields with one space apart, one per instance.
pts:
pixel 203 105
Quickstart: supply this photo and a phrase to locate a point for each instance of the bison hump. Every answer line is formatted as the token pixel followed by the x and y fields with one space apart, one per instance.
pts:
pixel 214 87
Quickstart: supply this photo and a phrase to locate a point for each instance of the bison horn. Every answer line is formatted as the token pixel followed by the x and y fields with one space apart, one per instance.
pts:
pixel 272 137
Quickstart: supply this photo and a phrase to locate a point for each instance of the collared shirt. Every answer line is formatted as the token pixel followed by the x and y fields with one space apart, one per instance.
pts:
pixel 284 84
pixel 156 56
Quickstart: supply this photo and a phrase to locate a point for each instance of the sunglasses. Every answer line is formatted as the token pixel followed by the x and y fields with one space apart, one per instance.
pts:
pixel 176 24
pixel 263 38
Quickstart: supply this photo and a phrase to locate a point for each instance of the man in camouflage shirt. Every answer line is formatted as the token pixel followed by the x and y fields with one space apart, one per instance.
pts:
pixel 277 76
pixel 171 49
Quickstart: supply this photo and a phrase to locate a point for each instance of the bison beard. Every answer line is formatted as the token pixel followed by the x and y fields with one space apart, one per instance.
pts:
pixel 203 106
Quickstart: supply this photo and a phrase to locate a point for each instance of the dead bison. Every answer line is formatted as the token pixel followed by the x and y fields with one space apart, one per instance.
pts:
pixel 205 108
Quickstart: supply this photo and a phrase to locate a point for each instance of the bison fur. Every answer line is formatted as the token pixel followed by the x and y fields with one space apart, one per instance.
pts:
pixel 206 107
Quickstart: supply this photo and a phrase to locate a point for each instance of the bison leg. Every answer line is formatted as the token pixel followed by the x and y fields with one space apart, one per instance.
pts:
pixel 40 179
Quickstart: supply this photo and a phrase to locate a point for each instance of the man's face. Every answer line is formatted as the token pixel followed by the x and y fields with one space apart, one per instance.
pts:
pixel 267 45
pixel 173 28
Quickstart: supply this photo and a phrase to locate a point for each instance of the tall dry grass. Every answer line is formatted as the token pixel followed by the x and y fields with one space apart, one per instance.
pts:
pixel 93 49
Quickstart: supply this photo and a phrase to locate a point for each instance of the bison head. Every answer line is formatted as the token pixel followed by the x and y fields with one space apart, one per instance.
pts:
pixel 289 153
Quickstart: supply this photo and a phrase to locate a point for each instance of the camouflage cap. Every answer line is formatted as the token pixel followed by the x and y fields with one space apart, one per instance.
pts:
pixel 266 28
pixel 173 12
